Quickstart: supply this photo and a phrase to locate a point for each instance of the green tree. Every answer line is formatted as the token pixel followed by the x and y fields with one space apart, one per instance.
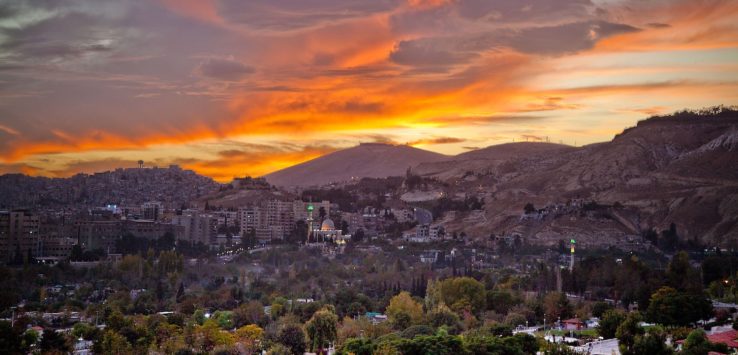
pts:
pixel 671 307
pixel 599 309
pixel 681 275
pixel 652 343
pixel 610 322
pixel 292 336
pixel 11 339
pixel 53 342
pixel 113 343
pixel 501 301
pixel 442 316
pixel 84 330
pixel 358 346
pixel 442 344
pixel 321 329
pixel 698 344
pixel 627 332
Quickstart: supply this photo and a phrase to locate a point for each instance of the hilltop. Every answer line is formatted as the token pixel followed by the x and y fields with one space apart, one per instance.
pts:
pixel 374 160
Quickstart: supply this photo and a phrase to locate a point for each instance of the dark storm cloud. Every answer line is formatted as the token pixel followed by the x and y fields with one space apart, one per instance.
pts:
pixel 227 69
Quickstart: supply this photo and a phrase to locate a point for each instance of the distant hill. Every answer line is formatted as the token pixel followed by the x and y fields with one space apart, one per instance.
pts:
pixel 365 160
pixel 127 187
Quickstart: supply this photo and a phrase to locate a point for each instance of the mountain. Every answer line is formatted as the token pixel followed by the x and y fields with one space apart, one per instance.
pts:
pixel 680 169
pixel 365 160
pixel 490 158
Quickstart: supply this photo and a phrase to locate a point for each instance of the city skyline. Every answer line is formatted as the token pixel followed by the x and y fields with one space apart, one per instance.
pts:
pixel 228 88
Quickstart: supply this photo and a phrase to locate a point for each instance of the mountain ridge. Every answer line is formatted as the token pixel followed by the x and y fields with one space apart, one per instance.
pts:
pixel 377 160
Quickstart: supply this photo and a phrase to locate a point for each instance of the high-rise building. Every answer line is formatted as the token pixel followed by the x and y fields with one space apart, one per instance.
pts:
pixel 270 219
pixel 198 227
pixel 19 234
pixel 152 210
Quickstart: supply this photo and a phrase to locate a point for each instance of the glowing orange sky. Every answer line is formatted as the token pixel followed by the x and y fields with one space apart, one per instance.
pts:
pixel 231 88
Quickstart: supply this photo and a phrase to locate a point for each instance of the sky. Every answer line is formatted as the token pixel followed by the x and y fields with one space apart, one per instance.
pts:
pixel 233 88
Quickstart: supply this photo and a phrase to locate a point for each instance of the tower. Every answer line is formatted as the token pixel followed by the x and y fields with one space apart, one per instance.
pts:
pixel 140 164
pixel 310 209
pixel 571 262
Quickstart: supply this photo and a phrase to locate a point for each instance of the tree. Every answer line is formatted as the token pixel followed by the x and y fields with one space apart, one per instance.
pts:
pixel 209 335
pixel 671 307
pixel 441 344
pixel 84 330
pixel 501 301
pixel 442 316
pixel 698 344
pixel 358 346
pixel 681 275
pixel 652 343
pixel 11 339
pixel 599 309
pixel 557 306
pixel 403 310
pixel 279 349
pixel 321 329
pixel 462 294
pixel 627 332
pixel 610 322
pixel 113 343
pixel 292 337
pixel 249 337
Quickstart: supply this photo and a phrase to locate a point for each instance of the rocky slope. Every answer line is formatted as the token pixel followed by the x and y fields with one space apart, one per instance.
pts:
pixel 681 168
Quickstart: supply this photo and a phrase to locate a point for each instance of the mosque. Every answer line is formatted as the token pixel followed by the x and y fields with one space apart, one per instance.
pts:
pixel 327 233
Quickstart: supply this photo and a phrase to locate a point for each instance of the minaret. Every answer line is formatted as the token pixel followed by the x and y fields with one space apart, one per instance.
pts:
pixel 571 262
pixel 310 209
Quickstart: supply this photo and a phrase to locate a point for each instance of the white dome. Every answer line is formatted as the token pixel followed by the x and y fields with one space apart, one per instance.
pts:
pixel 327 225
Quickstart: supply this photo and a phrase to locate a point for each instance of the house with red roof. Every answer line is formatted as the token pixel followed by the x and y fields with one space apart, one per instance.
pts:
pixel 573 324
pixel 728 338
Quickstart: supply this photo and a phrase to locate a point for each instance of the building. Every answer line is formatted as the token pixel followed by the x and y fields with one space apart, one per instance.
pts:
pixel 300 209
pixel 573 324
pixel 152 210
pixel 19 234
pixel 328 233
pixel 150 229
pixel 55 247
pixel 197 227
pixel 93 235
pixel 274 219
pixel 227 219
pixel 103 234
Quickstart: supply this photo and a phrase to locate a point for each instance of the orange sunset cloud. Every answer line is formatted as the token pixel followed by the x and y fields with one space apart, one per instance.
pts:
pixel 87 88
